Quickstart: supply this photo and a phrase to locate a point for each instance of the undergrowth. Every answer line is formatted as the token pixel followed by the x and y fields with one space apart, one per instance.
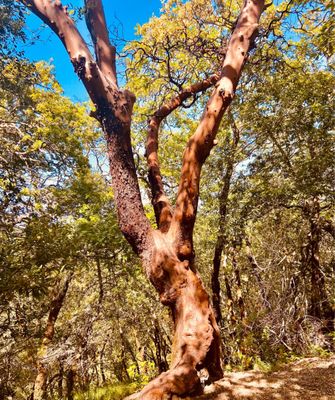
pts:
pixel 112 392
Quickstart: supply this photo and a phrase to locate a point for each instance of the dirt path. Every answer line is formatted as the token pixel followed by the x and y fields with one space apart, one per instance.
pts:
pixel 307 379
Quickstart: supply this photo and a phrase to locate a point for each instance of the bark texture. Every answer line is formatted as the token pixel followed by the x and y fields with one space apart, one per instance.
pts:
pixel 55 307
pixel 167 253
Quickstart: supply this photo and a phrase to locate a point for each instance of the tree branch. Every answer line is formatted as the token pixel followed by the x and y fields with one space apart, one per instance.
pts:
pixel 201 143
pixel 160 201
pixel 113 108
pixel 104 50
pixel 56 17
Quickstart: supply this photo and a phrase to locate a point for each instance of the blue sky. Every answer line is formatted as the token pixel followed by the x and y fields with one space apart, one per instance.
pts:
pixel 49 48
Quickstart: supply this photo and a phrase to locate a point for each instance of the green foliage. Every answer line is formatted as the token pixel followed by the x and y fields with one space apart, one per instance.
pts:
pixel 143 374
pixel 11 28
pixel 114 392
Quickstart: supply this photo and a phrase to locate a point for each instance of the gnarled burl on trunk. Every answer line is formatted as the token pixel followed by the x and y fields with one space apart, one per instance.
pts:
pixel 167 252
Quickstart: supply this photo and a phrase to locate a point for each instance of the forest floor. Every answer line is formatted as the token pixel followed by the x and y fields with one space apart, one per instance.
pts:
pixel 306 379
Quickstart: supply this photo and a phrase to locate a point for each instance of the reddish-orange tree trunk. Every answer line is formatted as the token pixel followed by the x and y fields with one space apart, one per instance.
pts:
pixel 167 252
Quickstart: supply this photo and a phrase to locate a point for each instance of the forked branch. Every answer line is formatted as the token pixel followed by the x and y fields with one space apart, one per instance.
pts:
pixel 160 201
pixel 113 107
pixel 56 17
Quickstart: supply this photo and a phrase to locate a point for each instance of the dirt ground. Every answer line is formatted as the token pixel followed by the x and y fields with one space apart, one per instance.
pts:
pixel 307 379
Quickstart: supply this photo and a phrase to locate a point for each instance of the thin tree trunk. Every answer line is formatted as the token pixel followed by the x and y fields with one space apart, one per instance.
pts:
pixel 55 307
pixel 69 384
pixel 101 363
pixel 160 346
pixel 229 293
pixel 319 304
pixel 60 381
pixel 101 287
pixel 128 348
pixel 255 267
pixel 220 241
pixel 240 301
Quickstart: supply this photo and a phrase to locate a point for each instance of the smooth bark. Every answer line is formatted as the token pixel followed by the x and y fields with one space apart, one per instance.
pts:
pixel 160 202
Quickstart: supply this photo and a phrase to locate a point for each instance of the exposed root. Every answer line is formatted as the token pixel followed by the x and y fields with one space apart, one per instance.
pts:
pixel 177 381
pixel 196 343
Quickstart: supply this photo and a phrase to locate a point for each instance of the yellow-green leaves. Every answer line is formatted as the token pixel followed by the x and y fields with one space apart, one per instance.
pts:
pixel 37 145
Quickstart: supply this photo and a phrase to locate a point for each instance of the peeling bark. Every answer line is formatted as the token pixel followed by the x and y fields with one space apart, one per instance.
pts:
pixel 104 50
pixel 202 141
pixel 113 108
pixel 196 341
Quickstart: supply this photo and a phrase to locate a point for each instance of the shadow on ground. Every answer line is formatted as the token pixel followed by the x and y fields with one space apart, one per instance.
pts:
pixel 308 379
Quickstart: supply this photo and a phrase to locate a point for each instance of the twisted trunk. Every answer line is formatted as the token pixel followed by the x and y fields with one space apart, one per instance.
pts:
pixel 167 253
pixel 196 339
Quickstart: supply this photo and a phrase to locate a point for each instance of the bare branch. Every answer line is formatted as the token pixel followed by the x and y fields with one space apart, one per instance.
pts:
pixel 56 17
pixel 113 110
pixel 159 199
pixel 104 50
pixel 280 15
pixel 200 144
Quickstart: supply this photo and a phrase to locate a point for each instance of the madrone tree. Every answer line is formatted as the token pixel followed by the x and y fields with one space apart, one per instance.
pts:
pixel 167 251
